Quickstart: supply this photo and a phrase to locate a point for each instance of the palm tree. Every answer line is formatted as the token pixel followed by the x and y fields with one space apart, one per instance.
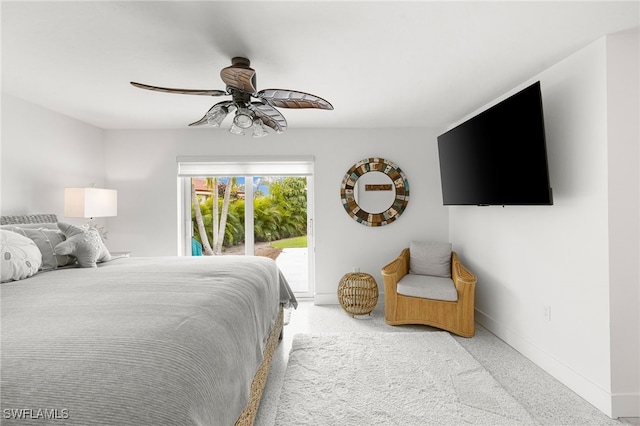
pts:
pixel 218 238
pixel 212 184
pixel 199 222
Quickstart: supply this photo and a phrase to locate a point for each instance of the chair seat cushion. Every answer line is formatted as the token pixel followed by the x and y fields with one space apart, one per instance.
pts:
pixel 427 287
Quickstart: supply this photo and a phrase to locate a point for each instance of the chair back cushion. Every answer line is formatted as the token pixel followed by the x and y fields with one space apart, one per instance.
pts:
pixel 427 287
pixel 430 258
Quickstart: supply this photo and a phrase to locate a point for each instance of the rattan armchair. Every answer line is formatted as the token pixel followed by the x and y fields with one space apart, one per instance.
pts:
pixel 454 316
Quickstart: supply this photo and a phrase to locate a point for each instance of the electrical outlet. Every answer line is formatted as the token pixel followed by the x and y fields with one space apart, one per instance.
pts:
pixel 546 312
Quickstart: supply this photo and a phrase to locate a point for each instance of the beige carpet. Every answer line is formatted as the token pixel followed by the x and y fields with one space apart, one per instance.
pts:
pixel 423 378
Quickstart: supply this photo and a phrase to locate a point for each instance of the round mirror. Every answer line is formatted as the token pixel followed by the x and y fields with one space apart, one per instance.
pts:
pixel 374 192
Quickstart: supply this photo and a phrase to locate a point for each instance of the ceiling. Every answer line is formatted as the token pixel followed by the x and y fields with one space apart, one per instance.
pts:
pixel 381 64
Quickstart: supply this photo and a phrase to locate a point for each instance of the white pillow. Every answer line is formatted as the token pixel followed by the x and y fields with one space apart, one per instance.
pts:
pixel 46 239
pixel 430 258
pixel 83 243
pixel 20 256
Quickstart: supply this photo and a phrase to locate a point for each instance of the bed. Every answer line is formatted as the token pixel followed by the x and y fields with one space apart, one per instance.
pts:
pixel 141 341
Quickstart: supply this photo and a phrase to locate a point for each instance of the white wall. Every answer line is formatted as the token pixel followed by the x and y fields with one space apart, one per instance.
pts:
pixel 623 114
pixel 42 153
pixel 141 165
pixel 559 256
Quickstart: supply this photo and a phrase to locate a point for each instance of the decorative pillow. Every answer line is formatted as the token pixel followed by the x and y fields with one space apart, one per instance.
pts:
pixel 85 244
pixel 430 258
pixel 20 256
pixel 46 239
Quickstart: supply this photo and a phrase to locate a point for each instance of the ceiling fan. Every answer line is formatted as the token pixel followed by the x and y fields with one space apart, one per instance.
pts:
pixel 240 79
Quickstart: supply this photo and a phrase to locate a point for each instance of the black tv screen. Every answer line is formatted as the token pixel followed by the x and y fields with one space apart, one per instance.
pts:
pixel 498 157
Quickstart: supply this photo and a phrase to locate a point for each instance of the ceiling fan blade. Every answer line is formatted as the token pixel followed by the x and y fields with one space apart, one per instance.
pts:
pixel 269 115
pixel 293 99
pixel 203 120
pixel 239 76
pixel 180 91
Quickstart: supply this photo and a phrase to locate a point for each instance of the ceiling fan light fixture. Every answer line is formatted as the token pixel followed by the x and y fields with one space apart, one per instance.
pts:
pixel 217 115
pixel 236 130
pixel 259 130
pixel 243 118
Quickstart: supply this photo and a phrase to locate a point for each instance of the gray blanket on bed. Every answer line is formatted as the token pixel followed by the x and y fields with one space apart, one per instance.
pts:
pixel 137 341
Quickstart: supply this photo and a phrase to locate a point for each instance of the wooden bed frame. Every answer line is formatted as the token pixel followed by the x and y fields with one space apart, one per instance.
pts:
pixel 248 416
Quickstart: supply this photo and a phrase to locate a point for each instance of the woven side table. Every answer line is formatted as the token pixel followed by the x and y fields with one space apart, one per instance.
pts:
pixel 358 293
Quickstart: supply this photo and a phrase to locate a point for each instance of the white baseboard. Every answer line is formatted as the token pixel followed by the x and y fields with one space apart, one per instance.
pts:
pixel 625 405
pixel 591 392
pixel 326 299
pixel 332 298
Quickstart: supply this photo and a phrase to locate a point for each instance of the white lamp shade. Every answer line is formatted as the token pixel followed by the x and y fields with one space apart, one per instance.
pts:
pixel 90 202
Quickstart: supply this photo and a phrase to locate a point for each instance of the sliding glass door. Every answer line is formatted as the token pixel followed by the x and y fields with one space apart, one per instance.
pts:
pixel 221 201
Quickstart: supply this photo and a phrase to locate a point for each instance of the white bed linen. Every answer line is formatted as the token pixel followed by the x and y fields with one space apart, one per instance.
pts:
pixel 137 341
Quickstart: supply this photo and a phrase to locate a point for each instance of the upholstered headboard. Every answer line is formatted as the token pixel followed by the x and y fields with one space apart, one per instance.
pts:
pixel 32 218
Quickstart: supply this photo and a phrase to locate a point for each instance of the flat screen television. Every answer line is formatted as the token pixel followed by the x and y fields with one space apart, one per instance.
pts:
pixel 498 157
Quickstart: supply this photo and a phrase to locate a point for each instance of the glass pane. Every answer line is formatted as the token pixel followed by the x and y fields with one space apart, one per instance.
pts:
pixel 221 205
pixel 280 226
